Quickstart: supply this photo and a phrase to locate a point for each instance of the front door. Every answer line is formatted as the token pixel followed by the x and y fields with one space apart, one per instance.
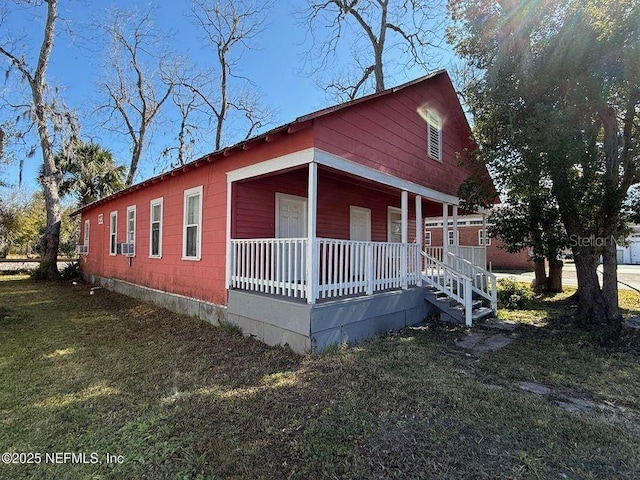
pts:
pixel 291 222
pixel 360 224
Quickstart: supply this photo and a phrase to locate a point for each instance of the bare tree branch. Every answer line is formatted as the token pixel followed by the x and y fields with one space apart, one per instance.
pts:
pixel 365 25
pixel 136 91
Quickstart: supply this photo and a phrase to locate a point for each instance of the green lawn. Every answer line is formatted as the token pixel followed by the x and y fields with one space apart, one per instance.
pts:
pixel 178 398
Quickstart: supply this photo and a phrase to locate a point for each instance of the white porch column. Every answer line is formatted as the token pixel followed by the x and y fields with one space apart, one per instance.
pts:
pixel 419 237
pixel 445 231
pixel 405 237
pixel 484 238
pixel 455 249
pixel 312 258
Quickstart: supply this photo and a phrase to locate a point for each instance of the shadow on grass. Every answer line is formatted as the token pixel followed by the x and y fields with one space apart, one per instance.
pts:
pixel 179 398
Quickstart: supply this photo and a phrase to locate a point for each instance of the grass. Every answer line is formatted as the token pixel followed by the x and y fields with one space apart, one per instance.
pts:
pixel 179 398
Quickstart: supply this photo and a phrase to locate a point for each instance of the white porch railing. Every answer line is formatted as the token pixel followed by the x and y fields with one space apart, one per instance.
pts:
pixel 482 282
pixel 475 255
pixel 270 265
pixel 454 284
pixel 345 267
pixel 351 267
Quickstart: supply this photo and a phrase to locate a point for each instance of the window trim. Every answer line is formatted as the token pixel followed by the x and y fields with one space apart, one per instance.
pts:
pixel 488 238
pixel 427 238
pixel 85 235
pixel 113 232
pixel 434 124
pixel 189 193
pixel 152 203
pixel 131 208
pixel 450 238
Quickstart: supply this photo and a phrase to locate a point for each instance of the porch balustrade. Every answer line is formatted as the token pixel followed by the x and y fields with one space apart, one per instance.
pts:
pixel 278 266
pixel 476 255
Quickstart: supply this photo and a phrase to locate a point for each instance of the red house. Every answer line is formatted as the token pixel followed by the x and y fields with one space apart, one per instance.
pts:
pixel 305 235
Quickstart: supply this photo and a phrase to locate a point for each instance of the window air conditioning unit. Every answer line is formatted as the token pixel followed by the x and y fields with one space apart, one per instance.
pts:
pixel 128 249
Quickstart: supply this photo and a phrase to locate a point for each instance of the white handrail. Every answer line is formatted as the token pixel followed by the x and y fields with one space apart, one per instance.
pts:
pixel 448 280
pixel 478 277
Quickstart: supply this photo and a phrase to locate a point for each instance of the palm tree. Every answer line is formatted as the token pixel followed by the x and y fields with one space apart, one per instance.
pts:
pixel 89 172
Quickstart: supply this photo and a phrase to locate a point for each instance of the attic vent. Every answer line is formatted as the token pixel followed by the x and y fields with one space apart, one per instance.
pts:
pixel 434 136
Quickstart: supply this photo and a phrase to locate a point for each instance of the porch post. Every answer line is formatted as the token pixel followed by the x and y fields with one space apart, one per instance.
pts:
pixel 419 239
pixel 455 249
pixel 445 231
pixel 312 258
pixel 405 237
pixel 484 238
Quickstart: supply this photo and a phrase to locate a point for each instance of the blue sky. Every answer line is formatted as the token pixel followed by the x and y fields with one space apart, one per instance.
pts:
pixel 276 68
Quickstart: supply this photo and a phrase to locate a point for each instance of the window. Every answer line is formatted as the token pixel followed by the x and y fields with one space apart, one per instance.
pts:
pixel 427 239
pixel 434 136
pixel 100 219
pixel 451 237
pixel 113 233
pixel 131 224
pixel 192 233
pixel 155 240
pixel 481 234
pixel 84 248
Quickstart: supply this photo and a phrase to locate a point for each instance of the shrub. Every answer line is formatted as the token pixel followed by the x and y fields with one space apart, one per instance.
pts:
pixel 71 271
pixel 513 295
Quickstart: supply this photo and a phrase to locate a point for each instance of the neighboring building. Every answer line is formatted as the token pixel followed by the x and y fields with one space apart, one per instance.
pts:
pixel 470 234
pixel 630 254
pixel 303 235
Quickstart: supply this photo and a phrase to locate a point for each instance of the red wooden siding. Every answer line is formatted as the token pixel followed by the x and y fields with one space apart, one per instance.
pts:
pixel 202 279
pixel 254 211
pixel 388 134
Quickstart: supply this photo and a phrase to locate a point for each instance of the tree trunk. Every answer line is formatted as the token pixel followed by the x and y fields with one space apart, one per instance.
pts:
pixel 610 281
pixel 592 308
pixel 540 279
pixel 554 282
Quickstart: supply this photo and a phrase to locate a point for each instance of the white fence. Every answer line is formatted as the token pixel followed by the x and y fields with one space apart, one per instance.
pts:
pixel 344 267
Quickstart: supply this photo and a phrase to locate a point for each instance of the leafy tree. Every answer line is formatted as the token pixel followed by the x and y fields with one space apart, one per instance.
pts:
pixel 558 90
pixel 89 172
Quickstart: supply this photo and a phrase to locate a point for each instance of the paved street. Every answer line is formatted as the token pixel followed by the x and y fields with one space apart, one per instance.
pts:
pixel 629 275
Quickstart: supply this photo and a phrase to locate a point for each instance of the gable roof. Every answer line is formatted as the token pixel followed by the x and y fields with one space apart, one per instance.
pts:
pixel 296 125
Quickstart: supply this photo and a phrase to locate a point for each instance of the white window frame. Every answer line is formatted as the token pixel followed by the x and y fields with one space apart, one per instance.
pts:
pixel 131 232
pixel 427 238
pixel 85 236
pixel 113 233
pixel 153 203
pixel 100 219
pixel 434 128
pixel 450 237
pixel 187 194
pixel 480 238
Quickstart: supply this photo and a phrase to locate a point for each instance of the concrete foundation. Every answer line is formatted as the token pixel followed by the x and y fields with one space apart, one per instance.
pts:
pixel 312 328
pixel 193 307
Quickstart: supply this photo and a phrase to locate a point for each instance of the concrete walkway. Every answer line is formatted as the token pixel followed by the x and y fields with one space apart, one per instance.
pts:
pixel 628 274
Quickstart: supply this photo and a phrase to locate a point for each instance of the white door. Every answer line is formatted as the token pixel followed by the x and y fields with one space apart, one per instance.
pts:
pixel 291 216
pixel 291 222
pixel 360 224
